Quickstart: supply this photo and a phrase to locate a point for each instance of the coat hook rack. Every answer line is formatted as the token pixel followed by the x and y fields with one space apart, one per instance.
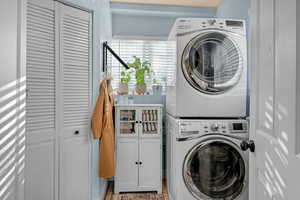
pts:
pixel 107 48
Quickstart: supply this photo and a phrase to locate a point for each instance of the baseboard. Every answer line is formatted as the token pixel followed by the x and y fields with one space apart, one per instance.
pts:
pixel 103 190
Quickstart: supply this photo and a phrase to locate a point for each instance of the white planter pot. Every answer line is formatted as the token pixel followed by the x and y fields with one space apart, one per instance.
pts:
pixel 123 88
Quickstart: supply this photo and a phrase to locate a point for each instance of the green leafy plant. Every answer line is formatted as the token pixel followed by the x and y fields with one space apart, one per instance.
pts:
pixel 141 70
pixel 125 76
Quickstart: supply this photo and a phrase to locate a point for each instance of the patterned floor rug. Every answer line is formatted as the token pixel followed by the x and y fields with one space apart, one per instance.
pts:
pixel 136 196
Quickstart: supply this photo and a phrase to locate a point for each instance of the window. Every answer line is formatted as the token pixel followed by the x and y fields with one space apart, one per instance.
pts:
pixel 161 54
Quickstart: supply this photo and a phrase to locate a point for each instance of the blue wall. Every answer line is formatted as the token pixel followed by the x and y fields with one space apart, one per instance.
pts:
pixel 150 20
pixel 101 32
pixel 238 9
pixel 235 9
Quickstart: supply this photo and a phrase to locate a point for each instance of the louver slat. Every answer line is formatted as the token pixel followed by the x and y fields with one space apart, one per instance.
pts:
pixel 75 36
pixel 40 68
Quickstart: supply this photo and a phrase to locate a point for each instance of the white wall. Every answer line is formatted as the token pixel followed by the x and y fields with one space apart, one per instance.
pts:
pixel 101 33
pixel 298 75
pixel 12 100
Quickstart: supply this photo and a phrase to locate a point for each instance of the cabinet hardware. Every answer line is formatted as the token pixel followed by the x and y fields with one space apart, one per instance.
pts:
pixel 76 132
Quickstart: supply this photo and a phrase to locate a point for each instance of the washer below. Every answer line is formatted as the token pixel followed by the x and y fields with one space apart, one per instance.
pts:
pixel 205 161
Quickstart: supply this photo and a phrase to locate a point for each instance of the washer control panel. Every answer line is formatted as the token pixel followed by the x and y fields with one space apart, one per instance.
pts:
pixel 196 127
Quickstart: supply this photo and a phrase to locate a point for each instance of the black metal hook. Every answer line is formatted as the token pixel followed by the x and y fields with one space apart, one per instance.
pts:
pixel 106 48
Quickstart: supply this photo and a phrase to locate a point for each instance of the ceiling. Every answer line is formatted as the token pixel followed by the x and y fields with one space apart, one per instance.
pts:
pixel 192 3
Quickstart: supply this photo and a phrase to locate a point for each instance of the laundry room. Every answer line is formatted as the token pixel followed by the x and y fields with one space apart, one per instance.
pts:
pixel 149 100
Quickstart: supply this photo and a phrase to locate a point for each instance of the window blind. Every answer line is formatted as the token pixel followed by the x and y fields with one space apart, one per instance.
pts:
pixel 161 55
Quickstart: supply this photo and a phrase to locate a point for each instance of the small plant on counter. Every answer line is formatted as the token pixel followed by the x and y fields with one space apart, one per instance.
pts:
pixel 125 78
pixel 142 69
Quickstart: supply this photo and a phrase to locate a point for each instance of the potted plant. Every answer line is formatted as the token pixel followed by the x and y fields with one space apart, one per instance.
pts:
pixel 141 70
pixel 123 84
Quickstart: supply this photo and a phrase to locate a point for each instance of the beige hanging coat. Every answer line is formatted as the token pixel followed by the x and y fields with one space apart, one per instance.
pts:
pixel 103 129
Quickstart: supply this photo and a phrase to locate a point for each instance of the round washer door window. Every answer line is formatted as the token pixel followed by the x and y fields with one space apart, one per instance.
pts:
pixel 215 170
pixel 212 63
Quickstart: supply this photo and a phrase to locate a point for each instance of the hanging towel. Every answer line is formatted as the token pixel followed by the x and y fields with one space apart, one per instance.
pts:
pixel 103 129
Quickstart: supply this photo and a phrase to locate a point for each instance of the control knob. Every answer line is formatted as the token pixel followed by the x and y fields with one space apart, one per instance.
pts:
pixel 212 22
pixel 214 127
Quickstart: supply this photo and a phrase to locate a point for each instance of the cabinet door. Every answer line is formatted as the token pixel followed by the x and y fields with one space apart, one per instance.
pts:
pixel 127 167
pixel 41 102
pixel 150 163
pixel 74 36
pixel 127 122
pixel 151 122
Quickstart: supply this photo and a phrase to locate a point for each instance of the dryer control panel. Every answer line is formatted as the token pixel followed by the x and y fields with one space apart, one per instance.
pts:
pixel 185 25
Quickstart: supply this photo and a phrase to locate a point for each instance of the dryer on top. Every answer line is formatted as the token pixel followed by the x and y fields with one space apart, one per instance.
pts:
pixel 211 72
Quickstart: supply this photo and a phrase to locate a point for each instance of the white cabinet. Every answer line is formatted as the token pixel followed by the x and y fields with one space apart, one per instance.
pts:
pixel 149 171
pixel 58 162
pixel 127 168
pixel 139 148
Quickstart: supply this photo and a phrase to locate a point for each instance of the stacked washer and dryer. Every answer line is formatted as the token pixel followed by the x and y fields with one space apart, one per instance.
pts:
pixel 206 106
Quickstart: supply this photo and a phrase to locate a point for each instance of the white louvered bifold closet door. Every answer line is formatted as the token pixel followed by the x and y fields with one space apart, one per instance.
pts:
pixel 58 102
pixel 75 94
pixel 41 101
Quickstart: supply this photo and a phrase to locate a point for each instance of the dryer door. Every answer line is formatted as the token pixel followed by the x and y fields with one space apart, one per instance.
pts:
pixel 215 169
pixel 212 62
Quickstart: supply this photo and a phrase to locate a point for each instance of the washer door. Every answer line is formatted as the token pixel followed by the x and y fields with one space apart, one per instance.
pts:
pixel 212 63
pixel 215 169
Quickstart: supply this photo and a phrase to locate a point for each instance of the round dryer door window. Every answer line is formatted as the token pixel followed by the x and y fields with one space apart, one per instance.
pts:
pixel 212 63
pixel 215 170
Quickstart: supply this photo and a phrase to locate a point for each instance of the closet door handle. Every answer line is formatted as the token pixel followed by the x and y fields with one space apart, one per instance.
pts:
pixel 140 163
pixel 136 163
pixel 76 132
